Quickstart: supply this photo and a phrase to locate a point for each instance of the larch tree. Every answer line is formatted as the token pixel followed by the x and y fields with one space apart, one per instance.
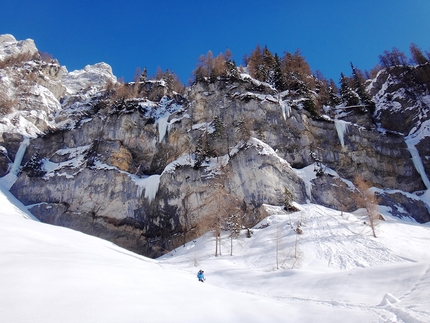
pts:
pixel 417 55
pixel 226 205
pixel 370 201
pixel 255 63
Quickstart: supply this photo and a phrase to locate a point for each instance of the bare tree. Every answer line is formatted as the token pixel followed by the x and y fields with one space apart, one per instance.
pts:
pixel 234 225
pixel 369 200
pixel 277 243
pixel 226 206
pixel 137 74
pixel 244 128
pixel 417 55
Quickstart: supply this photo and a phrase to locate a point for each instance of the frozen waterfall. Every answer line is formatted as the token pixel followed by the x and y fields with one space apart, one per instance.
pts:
pixel 411 141
pixel 11 177
pixel 341 127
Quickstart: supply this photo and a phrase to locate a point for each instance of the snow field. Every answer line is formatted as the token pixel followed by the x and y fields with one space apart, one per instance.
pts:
pixel 335 271
pixel 339 271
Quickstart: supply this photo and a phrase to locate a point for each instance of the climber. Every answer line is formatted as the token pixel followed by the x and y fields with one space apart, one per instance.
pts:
pixel 201 276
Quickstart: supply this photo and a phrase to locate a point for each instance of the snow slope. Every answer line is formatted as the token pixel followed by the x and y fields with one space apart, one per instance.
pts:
pixel 333 272
pixel 53 274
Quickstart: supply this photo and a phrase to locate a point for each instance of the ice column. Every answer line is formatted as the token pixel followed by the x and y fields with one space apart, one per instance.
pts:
pixel 341 127
pixel 11 177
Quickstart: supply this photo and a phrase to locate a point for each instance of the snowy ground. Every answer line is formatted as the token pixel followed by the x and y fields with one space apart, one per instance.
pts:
pixel 334 272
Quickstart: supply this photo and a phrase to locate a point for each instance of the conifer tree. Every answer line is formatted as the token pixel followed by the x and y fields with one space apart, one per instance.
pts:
pixel 348 96
pixel 358 82
pixel 278 76
pixel 268 67
pixel 333 91
pixel 359 88
pixel 144 76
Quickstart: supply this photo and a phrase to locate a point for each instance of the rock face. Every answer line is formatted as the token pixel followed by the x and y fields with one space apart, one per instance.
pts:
pixel 9 46
pixel 156 170
pixel 100 74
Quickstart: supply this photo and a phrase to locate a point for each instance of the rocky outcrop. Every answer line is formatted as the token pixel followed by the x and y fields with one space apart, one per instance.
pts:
pixel 154 171
pixel 92 75
pixel 149 175
pixel 9 46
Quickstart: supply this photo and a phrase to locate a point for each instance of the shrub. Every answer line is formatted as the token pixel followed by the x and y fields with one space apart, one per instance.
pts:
pixel 17 59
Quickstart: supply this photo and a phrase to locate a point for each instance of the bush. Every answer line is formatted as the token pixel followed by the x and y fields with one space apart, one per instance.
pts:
pixel 6 106
pixel 17 59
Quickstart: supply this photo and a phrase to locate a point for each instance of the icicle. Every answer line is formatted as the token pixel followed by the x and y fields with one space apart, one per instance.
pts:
pixel 341 127
pixel 286 110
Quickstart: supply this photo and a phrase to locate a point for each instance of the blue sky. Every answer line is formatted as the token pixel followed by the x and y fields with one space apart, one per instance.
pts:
pixel 173 34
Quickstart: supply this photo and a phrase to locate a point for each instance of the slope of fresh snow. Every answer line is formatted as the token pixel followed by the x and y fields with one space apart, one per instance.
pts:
pixel 53 274
pixel 333 272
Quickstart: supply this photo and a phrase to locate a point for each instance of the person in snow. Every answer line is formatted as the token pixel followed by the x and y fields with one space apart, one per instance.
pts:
pixel 201 276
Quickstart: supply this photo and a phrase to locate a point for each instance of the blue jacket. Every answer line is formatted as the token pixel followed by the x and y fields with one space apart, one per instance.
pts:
pixel 200 276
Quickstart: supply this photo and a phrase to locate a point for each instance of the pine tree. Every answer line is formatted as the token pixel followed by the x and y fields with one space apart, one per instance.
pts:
pixel 268 67
pixel 278 76
pixel 359 88
pixel 358 82
pixel 333 91
pixel 144 76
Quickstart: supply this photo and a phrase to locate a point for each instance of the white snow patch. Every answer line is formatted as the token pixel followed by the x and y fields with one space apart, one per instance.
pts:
pixel 75 161
pixel 307 174
pixel 184 160
pixel 265 149
pixel 204 126
pixel 388 300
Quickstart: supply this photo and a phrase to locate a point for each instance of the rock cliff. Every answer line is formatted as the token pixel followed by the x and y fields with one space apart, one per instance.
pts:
pixel 152 170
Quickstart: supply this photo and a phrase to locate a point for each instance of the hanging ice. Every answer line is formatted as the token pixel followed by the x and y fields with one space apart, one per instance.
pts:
pixel 149 185
pixel 286 110
pixel 341 127
pixel 162 127
pixel 11 177
pixel 411 141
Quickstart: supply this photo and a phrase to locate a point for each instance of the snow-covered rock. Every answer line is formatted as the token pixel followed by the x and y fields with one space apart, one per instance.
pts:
pixel 9 46
pixel 92 75
pixel 151 172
